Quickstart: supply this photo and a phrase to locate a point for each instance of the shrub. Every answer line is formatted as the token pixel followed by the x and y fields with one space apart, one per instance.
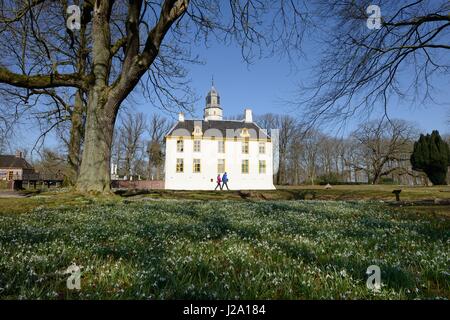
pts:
pixel 386 180
pixel 432 155
pixel 331 178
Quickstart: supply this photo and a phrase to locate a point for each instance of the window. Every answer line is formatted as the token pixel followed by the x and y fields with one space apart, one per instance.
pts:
pixel 220 165
pixel 197 145
pixel 245 146
pixel 244 166
pixel 180 165
pixel 197 166
pixel 221 145
pixel 262 166
pixel 10 175
pixel 180 145
pixel 262 147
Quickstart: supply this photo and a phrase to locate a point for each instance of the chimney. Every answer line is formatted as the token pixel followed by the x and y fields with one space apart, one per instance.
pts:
pixel 248 115
pixel 181 117
pixel 19 154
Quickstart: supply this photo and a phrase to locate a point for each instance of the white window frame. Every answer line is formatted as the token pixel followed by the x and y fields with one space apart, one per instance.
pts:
pixel 219 143
pixel 199 162
pixel 179 164
pixel 262 145
pixel 197 145
pixel 248 166
pixel 180 145
pixel 264 166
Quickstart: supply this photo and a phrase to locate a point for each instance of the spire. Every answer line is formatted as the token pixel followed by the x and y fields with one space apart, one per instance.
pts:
pixel 213 110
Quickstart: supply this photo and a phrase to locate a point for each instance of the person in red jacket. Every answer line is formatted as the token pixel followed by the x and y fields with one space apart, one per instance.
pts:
pixel 219 180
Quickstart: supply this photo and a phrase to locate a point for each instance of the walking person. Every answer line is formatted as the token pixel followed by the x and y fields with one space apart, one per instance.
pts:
pixel 219 180
pixel 225 181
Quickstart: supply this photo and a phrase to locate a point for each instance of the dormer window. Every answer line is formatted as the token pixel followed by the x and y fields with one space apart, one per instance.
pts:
pixel 244 133
pixel 197 131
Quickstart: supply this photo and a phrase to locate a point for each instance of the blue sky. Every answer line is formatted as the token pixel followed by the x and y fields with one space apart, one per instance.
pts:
pixel 265 84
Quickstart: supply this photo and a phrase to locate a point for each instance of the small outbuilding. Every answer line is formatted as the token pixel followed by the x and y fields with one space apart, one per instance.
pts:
pixel 14 168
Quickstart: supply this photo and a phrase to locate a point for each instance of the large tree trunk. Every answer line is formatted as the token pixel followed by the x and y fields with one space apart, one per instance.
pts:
pixel 95 164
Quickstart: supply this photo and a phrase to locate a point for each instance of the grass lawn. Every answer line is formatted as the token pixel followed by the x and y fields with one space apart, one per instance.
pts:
pixel 172 249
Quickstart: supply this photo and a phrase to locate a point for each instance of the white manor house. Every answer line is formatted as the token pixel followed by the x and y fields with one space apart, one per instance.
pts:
pixel 198 150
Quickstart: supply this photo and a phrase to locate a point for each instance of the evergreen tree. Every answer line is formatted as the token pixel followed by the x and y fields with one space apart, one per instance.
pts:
pixel 432 155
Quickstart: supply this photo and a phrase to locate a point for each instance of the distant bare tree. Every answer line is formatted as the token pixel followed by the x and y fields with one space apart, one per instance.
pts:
pixel 52 164
pixel 267 121
pixel 158 128
pixel 310 155
pixel 287 128
pixel 383 146
pixel 3 134
pixel 295 167
pixel 131 132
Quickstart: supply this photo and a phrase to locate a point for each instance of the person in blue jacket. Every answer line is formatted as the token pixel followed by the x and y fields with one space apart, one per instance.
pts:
pixel 225 181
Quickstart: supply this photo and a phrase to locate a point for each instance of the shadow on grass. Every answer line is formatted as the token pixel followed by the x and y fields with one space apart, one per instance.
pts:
pixel 143 237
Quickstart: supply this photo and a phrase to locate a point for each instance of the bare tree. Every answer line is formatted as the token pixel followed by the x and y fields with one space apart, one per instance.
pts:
pixel 287 128
pixel 310 155
pixel 377 151
pixel 360 69
pixel 125 40
pixel 66 115
pixel 131 132
pixel 51 164
pixel 3 134
pixel 384 145
pixel 158 128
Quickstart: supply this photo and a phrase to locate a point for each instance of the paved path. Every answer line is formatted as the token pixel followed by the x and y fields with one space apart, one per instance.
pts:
pixel 10 194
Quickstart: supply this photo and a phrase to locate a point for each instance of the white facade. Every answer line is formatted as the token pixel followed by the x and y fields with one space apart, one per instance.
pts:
pixel 195 156
pixel 209 157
